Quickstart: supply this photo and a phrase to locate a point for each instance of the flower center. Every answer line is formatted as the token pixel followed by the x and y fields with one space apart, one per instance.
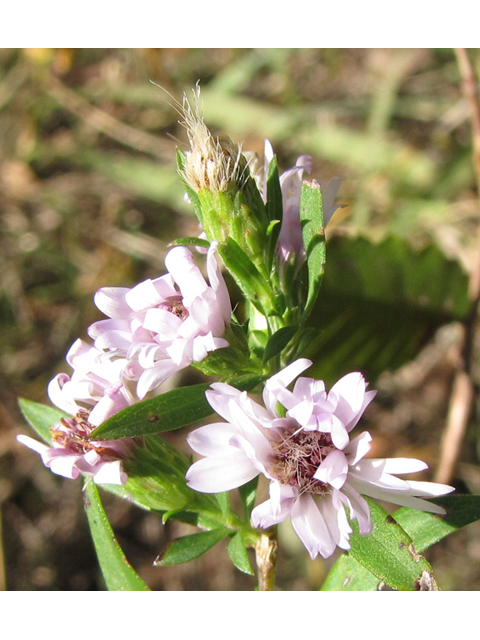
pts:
pixel 175 306
pixel 299 454
pixel 74 433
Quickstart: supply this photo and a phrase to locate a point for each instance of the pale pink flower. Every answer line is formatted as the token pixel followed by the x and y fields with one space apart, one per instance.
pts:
pixel 290 241
pixel 73 453
pixel 161 326
pixel 315 472
pixel 96 383
pixel 93 393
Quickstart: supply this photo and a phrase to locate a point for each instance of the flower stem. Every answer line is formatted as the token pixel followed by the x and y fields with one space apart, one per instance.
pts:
pixel 266 556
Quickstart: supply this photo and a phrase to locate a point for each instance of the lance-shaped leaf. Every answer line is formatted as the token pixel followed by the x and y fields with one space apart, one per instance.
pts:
pixel 189 241
pixel 190 547
pixel 425 529
pixel 118 573
pixel 278 341
pixel 313 233
pixel 168 411
pixel 237 551
pixel 347 574
pixel 253 285
pixel 389 552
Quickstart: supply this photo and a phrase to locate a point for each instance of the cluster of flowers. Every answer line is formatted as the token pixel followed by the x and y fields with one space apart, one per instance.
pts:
pixel 153 330
pixel 299 440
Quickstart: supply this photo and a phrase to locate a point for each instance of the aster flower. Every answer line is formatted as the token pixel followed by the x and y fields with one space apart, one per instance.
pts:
pixel 93 393
pixel 161 326
pixel 73 452
pixel 314 468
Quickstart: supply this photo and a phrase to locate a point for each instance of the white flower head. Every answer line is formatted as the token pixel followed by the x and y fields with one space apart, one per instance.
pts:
pixel 315 470
pixel 161 326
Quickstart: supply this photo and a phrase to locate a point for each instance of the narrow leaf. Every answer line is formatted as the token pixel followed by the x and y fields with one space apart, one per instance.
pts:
pixel 118 573
pixel 248 493
pixel 274 206
pixel 279 341
pixel 168 411
pixel 189 547
pixel 388 552
pixel 311 217
pixel 347 574
pixel 40 417
pixel 426 529
pixel 247 276
pixel 238 554
pixel 189 241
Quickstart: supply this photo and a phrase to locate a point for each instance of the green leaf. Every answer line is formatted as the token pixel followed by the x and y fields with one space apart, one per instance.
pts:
pixel 156 480
pixel 190 547
pixel 247 276
pixel 168 411
pixel 311 217
pixel 118 573
pixel 40 417
pixel 188 241
pixel 238 554
pixel 248 494
pixel 347 574
pixel 278 341
pixel 223 500
pixel 426 529
pixel 380 303
pixel 274 206
pixel 388 552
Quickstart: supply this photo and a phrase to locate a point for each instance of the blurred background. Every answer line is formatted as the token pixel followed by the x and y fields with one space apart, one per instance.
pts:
pixel 90 197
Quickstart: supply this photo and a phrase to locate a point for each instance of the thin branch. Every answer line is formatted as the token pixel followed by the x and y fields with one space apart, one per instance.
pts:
pixel 462 396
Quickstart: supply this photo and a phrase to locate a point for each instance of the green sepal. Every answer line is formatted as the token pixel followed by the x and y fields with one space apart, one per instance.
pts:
pixel 237 551
pixel 118 573
pixel 166 412
pixel 189 547
pixel 313 233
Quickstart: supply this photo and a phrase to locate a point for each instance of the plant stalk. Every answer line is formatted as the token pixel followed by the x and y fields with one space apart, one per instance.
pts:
pixel 266 557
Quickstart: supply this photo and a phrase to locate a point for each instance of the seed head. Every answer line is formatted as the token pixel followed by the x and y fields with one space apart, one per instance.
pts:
pixel 213 162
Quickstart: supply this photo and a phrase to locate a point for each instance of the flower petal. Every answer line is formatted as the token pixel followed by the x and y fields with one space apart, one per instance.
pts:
pixel 217 474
